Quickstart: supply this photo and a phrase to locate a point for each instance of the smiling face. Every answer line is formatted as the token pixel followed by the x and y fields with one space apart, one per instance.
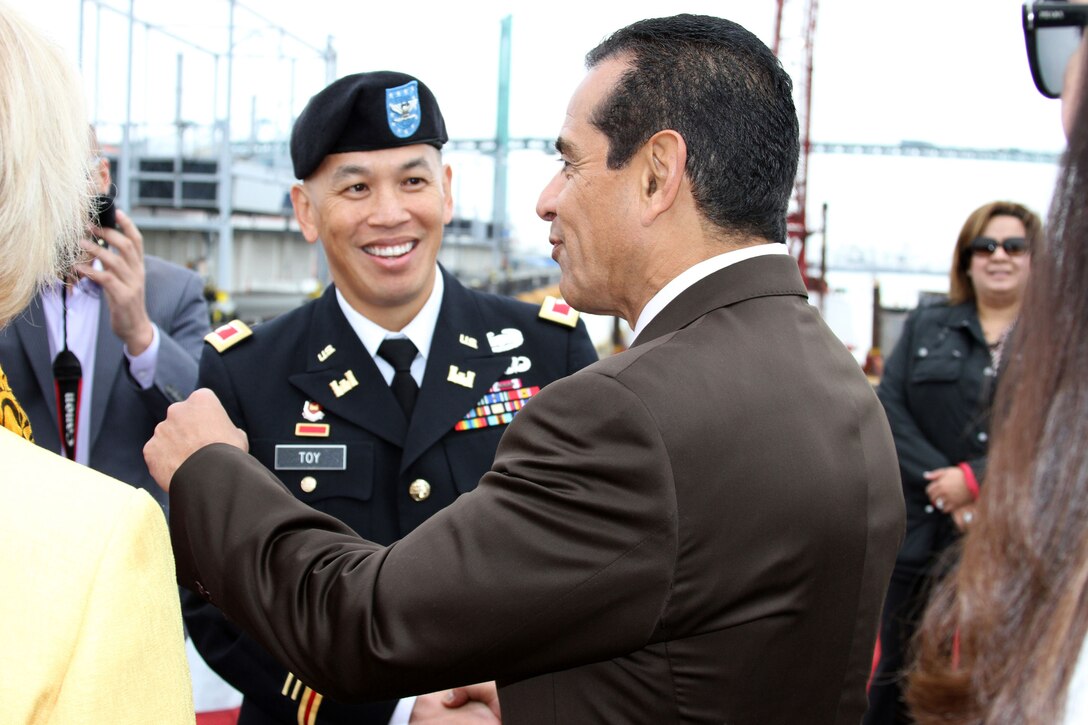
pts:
pixel 590 208
pixel 379 215
pixel 999 277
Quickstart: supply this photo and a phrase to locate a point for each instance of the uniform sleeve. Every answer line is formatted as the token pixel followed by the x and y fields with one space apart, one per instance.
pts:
pixel 129 666
pixel 563 555
pixel 181 337
pixel 916 453
pixel 227 650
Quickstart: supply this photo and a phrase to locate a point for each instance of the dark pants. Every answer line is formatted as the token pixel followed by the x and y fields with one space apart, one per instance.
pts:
pixel 908 593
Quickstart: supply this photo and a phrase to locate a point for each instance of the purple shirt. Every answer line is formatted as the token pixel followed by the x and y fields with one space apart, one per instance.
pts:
pixel 84 303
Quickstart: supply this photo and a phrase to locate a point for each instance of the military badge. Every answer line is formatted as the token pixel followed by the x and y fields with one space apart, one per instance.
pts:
pixel 402 105
pixel 339 387
pixel 465 379
pixel 468 341
pixel 509 338
pixel 519 364
pixel 312 411
pixel 225 337
pixel 308 705
pixel 312 430
pixel 326 353
pixel 499 405
pixel 557 310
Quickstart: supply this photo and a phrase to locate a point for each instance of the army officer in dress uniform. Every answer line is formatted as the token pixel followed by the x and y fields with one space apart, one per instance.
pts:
pixel 382 401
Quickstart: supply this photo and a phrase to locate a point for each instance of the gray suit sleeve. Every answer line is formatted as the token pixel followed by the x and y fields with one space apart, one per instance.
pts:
pixel 563 555
pixel 182 319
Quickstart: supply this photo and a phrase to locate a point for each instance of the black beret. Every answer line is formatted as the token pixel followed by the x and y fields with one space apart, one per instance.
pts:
pixel 365 112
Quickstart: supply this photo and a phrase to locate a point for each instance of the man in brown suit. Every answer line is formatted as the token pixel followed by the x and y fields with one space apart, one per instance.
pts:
pixel 698 529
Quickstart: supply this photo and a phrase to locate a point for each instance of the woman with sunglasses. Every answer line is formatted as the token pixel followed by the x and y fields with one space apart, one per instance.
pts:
pixel 937 388
pixel 1002 641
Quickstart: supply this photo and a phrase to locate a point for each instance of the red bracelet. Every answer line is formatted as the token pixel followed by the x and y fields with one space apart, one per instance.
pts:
pixel 970 480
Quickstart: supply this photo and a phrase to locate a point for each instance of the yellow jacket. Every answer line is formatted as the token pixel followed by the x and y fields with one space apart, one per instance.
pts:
pixel 90 623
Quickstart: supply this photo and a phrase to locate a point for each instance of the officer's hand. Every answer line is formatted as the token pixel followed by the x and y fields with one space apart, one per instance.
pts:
pixel 122 281
pixel 472 704
pixel 189 426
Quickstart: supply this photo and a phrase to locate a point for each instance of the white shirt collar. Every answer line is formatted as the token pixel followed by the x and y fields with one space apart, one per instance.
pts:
pixel 420 330
pixel 696 272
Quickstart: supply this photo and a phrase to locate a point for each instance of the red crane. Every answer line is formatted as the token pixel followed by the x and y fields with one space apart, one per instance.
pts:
pixel 800 68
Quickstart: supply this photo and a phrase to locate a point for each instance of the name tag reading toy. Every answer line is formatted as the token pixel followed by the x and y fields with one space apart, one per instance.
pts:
pixel 311 458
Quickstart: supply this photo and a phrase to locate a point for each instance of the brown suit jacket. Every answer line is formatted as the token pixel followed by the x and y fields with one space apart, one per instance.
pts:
pixel 700 529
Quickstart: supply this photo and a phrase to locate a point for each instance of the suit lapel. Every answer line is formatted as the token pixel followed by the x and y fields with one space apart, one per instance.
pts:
pixel 370 403
pixel 108 363
pixel 443 402
pixel 771 275
pixel 31 329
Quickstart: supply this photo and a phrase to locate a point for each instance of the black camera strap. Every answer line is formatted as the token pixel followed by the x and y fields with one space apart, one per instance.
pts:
pixel 68 379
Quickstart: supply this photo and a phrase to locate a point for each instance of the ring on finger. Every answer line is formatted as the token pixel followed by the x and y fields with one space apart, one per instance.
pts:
pixel 939 503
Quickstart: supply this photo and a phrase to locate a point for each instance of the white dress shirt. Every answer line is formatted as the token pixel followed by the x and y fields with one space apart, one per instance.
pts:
pixel 696 272
pixel 420 331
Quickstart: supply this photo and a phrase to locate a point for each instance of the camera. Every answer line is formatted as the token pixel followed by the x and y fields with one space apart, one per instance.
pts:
pixel 103 215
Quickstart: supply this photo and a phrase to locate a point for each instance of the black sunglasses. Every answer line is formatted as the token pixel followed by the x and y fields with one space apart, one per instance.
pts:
pixel 1013 246
pixel 1052 31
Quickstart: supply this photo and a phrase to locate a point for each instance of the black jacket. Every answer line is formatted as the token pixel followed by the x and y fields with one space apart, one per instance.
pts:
pixel 362 470
pixel 937 390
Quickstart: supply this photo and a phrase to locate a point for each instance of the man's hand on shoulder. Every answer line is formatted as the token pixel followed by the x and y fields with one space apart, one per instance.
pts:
pixel 189 426
pixel 122 281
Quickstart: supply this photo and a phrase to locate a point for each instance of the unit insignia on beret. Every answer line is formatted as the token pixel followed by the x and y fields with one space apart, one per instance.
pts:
pixel 403 104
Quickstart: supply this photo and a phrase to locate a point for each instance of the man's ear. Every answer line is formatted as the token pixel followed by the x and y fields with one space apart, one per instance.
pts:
pixel 664 159
pixel 304 212
pixel 102 171
pixel 447 191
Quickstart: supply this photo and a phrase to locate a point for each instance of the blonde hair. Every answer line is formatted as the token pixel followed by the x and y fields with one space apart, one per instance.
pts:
pixel 45 158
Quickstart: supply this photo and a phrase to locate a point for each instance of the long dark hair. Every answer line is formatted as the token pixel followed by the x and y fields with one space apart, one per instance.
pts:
pixel 1002 635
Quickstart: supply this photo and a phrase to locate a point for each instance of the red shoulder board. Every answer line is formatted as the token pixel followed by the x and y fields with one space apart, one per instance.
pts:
pixel 230 334
pixel 557 310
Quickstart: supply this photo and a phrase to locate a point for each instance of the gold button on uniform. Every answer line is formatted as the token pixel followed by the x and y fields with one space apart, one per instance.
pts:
pixel 309 483
pixel 419 490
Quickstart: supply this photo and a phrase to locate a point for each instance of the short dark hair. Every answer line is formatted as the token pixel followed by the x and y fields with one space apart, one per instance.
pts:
pixel 723 90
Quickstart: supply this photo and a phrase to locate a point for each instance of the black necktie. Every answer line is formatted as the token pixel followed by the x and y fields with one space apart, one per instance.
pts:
pixel 400 352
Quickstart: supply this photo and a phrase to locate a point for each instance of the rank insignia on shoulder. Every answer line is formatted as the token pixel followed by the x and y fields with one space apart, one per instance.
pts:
pixel 230 334
pixel 556 310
